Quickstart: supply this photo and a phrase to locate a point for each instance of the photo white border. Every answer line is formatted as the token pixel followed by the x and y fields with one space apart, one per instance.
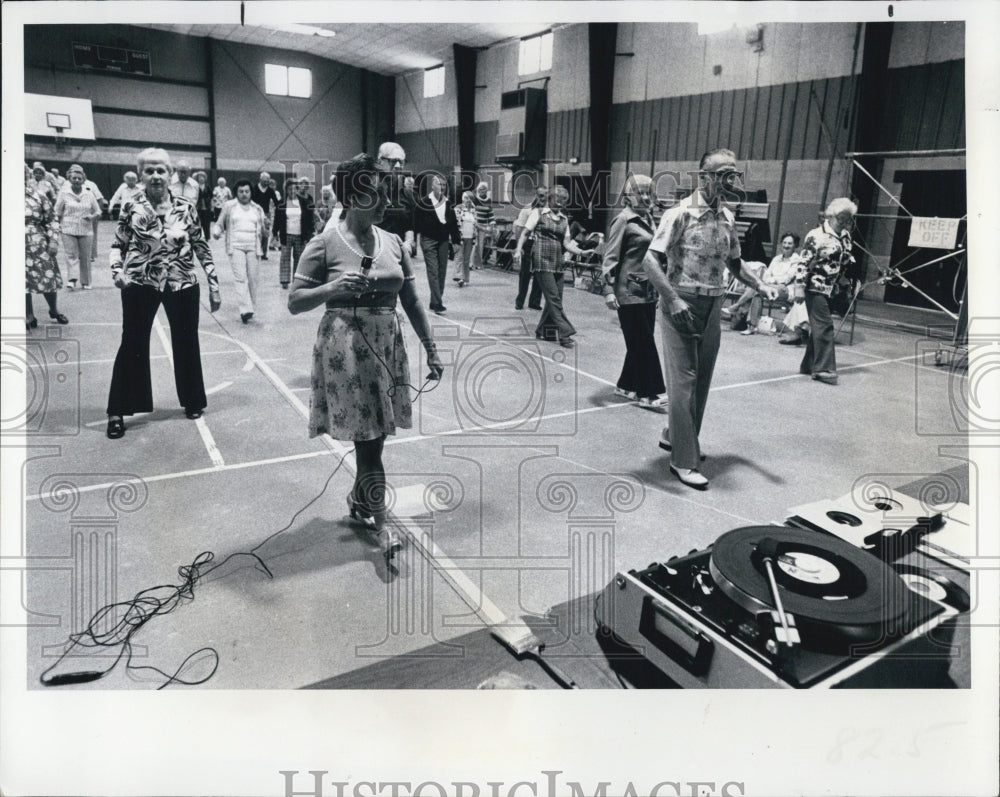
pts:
pixel 202 741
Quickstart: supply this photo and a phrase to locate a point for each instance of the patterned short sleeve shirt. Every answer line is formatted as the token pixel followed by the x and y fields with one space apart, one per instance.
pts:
pixel 698 242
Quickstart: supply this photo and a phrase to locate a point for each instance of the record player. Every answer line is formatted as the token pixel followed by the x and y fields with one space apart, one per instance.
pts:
pixel 781 607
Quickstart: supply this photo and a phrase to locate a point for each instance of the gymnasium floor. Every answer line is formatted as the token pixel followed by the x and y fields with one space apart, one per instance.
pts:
pixel 526 480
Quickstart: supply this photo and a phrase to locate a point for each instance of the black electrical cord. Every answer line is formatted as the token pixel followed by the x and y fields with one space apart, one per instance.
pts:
pixel 391 391
pixel 128 617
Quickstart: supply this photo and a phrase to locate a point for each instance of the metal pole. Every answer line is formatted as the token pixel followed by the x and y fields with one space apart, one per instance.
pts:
pixel 907 153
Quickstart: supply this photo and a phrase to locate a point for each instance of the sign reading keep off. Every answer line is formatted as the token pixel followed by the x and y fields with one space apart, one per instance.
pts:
pixel 933 233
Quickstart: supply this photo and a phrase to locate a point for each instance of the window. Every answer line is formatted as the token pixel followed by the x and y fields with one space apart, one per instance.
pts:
pixel 434 81
pixel 287 81
pixel 536 54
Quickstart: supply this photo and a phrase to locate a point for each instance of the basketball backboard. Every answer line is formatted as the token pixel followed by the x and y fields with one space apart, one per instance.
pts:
pixel 58 117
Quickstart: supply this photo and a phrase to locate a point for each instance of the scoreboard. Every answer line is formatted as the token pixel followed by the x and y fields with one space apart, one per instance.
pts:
pixel 111 59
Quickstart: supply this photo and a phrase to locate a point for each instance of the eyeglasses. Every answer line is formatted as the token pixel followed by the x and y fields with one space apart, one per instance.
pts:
pixel 394 162
pixel 728 177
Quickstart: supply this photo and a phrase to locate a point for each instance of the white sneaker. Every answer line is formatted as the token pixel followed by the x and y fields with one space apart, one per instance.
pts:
pixel 628 394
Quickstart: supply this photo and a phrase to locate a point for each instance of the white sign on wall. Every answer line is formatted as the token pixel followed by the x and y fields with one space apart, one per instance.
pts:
pixel 933 233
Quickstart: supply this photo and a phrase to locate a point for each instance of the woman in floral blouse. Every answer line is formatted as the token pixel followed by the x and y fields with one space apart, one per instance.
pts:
pixel 153 263
pixel 826 251
pixel 41 242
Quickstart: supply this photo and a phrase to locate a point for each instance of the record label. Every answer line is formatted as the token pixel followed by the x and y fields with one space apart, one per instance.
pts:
pixel 807 567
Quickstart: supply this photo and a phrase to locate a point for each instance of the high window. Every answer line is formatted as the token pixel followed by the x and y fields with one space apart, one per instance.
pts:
pixel 434 81
pixel 536 54
pixel 287 81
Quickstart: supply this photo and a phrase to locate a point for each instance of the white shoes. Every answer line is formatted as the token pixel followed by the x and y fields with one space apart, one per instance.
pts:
pixel 628 394
pixel 690 477
pixel 654 404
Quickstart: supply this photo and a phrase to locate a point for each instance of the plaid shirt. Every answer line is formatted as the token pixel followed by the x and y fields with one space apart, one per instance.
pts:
pixel 160 252
pixel 550 230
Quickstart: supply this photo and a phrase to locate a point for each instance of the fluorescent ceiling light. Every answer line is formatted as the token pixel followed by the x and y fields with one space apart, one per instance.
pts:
pixel 306 30
pixel 715 25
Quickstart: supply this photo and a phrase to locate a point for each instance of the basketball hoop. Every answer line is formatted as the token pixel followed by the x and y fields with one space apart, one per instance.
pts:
pixel 58 123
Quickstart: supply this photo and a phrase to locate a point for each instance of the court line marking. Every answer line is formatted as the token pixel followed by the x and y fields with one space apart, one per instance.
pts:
pixel 334 448
pixel 156 357
pixel 538 355
pixel 198 472
pixel 210 446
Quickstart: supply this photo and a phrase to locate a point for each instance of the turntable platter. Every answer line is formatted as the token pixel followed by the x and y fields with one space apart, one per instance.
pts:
pixel 838 593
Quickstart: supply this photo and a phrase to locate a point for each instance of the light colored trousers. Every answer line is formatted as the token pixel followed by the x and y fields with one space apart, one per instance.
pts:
pixel 78 251
pixel 688 363
pixel 246 275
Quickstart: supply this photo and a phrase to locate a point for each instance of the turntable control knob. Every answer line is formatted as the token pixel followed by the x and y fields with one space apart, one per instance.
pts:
pixel 748 631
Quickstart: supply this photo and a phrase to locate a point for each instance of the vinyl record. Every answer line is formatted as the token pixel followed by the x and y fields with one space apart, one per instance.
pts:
pixel 934 586
pixel 835 591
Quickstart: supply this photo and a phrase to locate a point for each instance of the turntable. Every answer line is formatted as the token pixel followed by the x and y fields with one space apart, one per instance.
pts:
pixel 773 606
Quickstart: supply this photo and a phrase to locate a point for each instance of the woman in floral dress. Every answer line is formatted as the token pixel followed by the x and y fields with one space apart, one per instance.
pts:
pixel 41 242
pixel 360 373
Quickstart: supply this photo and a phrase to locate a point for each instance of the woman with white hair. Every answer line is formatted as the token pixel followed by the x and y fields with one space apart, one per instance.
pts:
pixel 826 252
pixel 552 237
pixel 76 210
pixel 628 291
pixel 152 263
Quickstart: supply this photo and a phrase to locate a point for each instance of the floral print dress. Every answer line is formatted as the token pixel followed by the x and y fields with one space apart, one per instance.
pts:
pixel 360 370
pixel 40 229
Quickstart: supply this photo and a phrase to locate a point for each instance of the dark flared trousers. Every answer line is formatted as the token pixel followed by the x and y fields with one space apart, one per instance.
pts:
pixel 553 325
pixel 820 355
pixel 131 384
pixel 689 361
pixel 524 279
pixel 641 370
pixel 436 262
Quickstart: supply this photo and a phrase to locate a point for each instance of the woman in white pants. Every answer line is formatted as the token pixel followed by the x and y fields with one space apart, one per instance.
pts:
pixel 244 224
pixel 76 210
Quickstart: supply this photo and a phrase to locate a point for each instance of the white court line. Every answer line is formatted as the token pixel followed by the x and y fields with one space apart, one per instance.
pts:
pixel 163 357
pixel 201 471
pixel 213 450
pixel 537 355
pixel 221 386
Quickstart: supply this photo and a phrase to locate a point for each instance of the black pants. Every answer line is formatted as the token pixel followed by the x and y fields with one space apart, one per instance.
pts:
pixel 524 277
pixel 641 371
pixel 205 219
pixel 436 263
pixel 131 385
pixel 820 354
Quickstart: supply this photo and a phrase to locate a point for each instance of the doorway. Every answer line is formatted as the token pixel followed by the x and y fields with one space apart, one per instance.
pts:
pixel 929 193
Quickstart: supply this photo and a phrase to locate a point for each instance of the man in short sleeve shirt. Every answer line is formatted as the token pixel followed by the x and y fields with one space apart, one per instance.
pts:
pixel 694 247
